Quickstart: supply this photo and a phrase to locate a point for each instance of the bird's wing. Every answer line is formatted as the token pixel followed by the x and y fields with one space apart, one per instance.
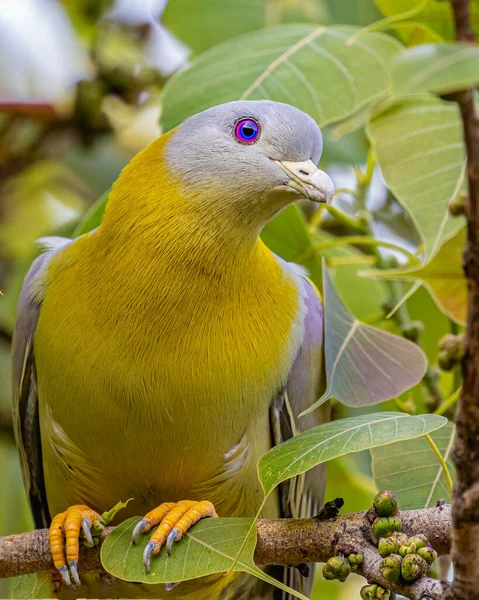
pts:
pixel 303 495
pixel 25 399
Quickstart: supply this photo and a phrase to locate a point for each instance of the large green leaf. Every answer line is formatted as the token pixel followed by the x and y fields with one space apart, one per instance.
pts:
pixel 328 441
pixel 438 68
pixel 419 145
pixel 311 67
pixel 412 471
pixel 211 546
pixel 364 365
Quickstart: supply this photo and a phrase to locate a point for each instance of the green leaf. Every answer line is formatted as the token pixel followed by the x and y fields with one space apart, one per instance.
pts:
pixel 412 470
pixel 438 68
pixel 209 547
pixel 352 12
pixel 33 585
pixel 413 33
pixel 328 441
pixel 437 14
pixel 204 23
pixel 364 365
pixel 443 277
pixel 288 63
pixel 93 217
pixel 419 145
pixel 287 236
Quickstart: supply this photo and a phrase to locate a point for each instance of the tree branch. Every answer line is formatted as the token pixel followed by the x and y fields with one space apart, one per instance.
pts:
pixel 280 542
pixel 465 511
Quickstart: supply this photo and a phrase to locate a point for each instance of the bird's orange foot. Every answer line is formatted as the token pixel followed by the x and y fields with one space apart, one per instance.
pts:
pixel 64 537
pixel 175 518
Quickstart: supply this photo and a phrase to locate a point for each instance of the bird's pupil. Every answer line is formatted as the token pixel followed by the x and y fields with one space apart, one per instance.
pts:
pixel 248 131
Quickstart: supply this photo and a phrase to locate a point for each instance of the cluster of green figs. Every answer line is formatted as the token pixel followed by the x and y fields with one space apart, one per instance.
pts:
pixel 404 558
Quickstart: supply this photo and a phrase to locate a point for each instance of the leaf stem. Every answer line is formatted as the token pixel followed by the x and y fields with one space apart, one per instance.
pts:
pixel 334 212
pixel 446 405
pixel 441 460
pixel 238 556
pixel 359 241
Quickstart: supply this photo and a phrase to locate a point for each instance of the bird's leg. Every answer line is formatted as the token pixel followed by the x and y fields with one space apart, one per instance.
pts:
pixel 65 531
pixel 175 518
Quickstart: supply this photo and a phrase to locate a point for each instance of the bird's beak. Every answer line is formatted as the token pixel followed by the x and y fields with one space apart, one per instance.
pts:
pixel 308 180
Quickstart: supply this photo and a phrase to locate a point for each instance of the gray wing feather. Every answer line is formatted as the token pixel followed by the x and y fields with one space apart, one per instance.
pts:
pixel 302 496
pixel 25 399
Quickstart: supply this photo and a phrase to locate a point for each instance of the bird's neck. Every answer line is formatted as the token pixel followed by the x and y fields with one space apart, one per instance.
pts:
pixel 163 228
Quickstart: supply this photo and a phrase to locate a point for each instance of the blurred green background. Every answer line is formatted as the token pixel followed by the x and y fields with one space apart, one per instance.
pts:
pixel 80 82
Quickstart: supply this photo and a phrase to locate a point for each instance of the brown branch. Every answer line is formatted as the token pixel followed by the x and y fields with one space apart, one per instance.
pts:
pixel 280 542
pixel 465 510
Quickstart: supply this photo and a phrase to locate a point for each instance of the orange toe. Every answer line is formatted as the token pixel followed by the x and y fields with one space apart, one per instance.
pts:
pixel 64 536
pixel 174 518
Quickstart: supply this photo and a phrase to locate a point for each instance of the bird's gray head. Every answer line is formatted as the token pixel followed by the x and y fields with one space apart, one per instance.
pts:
pixel 258 156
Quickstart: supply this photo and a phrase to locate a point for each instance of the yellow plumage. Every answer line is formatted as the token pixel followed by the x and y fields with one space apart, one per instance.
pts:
pixel 170 345
pixel 215 344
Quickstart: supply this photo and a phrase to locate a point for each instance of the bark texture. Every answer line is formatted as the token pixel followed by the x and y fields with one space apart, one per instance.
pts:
pixel 280 542
pixel 465 506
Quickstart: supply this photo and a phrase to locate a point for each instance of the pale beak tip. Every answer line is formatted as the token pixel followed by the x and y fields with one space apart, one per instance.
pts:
pixel 324 185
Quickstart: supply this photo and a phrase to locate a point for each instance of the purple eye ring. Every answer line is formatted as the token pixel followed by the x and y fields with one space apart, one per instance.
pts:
pixel 247 131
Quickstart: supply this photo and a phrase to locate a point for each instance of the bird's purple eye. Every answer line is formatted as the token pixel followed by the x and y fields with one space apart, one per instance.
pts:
pixel 247 131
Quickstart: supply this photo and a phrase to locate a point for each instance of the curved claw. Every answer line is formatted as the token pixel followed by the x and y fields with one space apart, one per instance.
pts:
pixel 85 524
pixel 138 529
pixel 171 539
pixel 74 571
pixel 65 575
pixel 147 555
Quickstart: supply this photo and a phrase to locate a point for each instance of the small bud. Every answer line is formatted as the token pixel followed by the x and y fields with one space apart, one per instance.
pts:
pixel 385 526
pixel 419 540
pixel 387 546
pixel 386 504
pixel 413 566
pixel 400 538
pixel 364 593
pixel 355 559
pixel 445 361
pixel 428 553
pixel 456 207
pixel 406 548
pixel 451 351
pixel 412 330
pixel 336 568
pixel 374 592
pixel 390 567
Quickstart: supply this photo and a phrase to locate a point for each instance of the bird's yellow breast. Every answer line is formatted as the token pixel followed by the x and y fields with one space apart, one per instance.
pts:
pixel 163 347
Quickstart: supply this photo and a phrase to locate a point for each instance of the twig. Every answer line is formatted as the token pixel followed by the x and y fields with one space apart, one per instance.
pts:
pixel 280 542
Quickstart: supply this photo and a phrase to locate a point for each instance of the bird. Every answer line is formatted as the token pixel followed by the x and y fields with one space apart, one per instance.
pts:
pixel 159 356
